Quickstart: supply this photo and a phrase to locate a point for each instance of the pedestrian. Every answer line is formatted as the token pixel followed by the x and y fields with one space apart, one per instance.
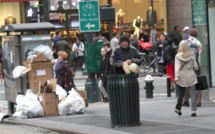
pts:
pixel 100 75
pixel 108 67
pixel 159 47
pixel 97 37
pixel 61 44
pixel 134 42
pixel 185 76
pixel 186 30
pixel 196 47
pixel 176 35
pixel 65 75
pixel 78 50
pixel 114 41
pixel 124 54
pixel 169 53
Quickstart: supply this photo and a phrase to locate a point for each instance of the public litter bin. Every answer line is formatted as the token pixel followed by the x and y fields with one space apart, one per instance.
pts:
pixel 123 91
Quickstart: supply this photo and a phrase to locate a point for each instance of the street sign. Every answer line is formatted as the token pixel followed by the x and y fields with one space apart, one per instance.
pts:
pixel 89 17
pixel 199 12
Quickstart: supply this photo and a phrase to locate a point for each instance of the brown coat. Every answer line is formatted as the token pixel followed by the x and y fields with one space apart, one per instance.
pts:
pixel 64 74
pixel 185 70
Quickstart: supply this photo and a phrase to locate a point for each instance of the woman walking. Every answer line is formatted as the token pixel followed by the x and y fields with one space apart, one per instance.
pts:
pixel 185 76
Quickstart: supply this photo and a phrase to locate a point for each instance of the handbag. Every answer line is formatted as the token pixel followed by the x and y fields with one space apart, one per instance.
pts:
pixel 145 45
pixel 202 83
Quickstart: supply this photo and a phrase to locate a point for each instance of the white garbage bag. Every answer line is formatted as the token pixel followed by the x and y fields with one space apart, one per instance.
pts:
pixel 17 71
pixel 74 104
pixel 60 92
pixel 19 114
pixel 29 106
pixel 45 50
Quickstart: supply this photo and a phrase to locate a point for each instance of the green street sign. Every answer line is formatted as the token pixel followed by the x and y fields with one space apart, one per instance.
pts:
pixel 199 12
pixel 89 17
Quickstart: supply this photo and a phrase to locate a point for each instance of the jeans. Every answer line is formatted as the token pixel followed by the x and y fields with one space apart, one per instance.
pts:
pixel 181 92
pixel 79 58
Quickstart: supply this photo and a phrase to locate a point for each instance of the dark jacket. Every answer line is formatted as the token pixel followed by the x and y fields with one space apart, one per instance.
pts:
pixel 62 45
pixel 120 55
pixel 145 37
pixel 64 74
pixel 169 54
pixel 135 44
pixel 176 37
pixel 160 49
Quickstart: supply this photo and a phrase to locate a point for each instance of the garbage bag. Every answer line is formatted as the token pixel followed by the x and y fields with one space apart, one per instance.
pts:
pixel 17 71
pixel 29 105
pixel 19 114
pixel 74 104
pixel 60 92
pixel 45 50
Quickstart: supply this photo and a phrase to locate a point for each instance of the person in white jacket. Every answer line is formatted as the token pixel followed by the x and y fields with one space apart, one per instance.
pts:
pixel 78 49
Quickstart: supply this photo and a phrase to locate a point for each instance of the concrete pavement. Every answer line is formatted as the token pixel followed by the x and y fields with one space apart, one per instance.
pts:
pixel 157 116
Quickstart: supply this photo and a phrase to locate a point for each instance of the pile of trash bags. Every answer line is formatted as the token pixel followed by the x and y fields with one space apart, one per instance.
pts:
pixel 29 106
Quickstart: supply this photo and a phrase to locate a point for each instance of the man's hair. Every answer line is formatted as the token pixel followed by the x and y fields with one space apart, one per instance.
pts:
pixel 175 27
pixel 193 32
pixel 107 44
pixel 114 34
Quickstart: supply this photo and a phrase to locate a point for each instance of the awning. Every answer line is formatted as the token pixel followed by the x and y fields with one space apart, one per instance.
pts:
pixel 45 26
pixel 16 0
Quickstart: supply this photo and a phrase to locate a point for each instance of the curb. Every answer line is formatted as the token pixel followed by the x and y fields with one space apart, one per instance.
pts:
pixel 8 121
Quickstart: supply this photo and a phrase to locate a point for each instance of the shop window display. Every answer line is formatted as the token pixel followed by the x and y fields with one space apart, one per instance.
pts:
pixel 143 9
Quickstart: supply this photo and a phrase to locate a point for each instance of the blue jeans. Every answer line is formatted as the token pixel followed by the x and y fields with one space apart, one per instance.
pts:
pixel 181 92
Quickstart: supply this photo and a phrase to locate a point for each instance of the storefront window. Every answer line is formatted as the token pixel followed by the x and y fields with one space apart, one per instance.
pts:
pixel 140 13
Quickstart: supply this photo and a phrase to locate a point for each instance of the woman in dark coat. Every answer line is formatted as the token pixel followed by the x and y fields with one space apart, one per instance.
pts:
pixel 64 77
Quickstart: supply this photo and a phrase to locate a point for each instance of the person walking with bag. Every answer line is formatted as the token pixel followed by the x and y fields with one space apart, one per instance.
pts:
pixel 185 76
pixel 78 52
pixel 100 76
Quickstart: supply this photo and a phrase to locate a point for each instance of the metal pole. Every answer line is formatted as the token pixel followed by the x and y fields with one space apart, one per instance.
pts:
pixel 168 87
pixel 46 10
pixel 152 14
pixel 91 85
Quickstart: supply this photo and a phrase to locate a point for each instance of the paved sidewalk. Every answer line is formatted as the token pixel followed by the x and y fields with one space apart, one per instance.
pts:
pixel 157 117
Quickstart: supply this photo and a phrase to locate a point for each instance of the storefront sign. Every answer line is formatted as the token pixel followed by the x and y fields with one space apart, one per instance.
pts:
pixel 199 12
pixel 89 17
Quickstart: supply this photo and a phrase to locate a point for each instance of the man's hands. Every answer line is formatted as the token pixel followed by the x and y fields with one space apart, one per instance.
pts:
pixel 129 62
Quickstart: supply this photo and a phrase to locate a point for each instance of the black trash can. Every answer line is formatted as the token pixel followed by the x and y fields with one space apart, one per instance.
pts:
pixel 123 91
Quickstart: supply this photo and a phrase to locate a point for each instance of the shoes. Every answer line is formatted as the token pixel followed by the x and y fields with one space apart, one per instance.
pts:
pixel 193 115
pixel 178 112
pixel 186 104
pixel 198 105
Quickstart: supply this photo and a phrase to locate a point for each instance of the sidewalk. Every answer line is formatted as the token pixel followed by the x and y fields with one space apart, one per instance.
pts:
pixel 157 116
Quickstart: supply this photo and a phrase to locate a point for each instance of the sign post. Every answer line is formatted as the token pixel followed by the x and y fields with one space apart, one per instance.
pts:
pixel 89 16
pixel 89 19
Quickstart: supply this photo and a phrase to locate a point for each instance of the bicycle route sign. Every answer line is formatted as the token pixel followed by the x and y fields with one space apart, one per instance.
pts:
pixel 199 12
pixel 89 16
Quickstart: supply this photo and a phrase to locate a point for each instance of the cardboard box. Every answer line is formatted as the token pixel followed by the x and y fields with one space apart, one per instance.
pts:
pixel 49 102
pixel 83 94
pixel 40 71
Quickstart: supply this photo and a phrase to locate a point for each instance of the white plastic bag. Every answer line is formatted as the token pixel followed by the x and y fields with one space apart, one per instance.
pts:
pixel 19 114
pixel 17 71
pixel 29 91
pixel 73 104
pixel 45 50
pixel 60 92
pixel 29 105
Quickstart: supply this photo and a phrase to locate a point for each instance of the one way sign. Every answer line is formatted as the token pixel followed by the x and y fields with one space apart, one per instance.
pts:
pixel 89 17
